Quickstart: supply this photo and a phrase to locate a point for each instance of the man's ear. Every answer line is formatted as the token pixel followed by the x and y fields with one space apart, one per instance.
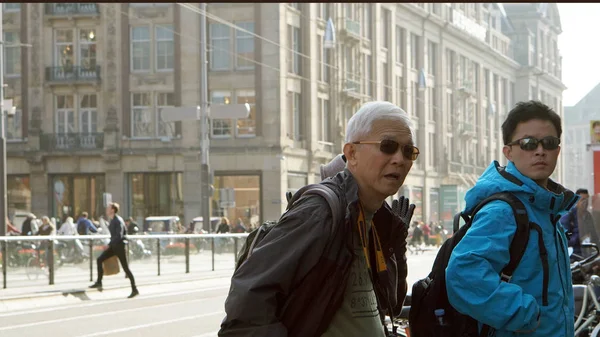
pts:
pixel 507 150
pixel 350 154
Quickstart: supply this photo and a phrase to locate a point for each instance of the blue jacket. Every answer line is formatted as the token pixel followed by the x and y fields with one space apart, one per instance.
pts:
pixel 472 276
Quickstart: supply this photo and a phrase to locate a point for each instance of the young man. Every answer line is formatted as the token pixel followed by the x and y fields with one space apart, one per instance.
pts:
pixel 520 305
pixel 116 246
pixel 304 280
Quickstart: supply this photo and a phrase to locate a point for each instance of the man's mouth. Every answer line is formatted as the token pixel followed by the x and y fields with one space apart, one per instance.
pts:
pixel 540 164
pixel 393 176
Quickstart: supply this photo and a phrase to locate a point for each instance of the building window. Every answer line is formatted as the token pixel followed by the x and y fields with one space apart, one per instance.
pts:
pixel 64 49
pixel 146 115
pixel 156 194
pixel 400 93
pixel 433 106
pixel 369 75
pixel 414 51
pixel 244 46
pixel 221 127
pixel 450 60
pixel 74 194
pixel 141 106
pixel 432 53
pixel 386 27
pixel 387 85
pixel 12 54
pixel 18 195
pixel 325 119
pixel 88 106
pixel 246 127
pixel 400 45
pixel 164 47
pixel 295 5
pixel 11 7
pixel 247 199
pixel 295 129
pixel 165 100
pixel 87 49
pixel 366 26
pixel 65 114
pixel 414 96
pixel 294 54
pixel 140 48
pixel 220 40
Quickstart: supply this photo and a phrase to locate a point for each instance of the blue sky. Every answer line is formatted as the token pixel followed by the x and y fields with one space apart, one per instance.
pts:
pixel 579 45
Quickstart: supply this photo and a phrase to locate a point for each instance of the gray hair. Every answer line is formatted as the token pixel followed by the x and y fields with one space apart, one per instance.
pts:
pixel 361 123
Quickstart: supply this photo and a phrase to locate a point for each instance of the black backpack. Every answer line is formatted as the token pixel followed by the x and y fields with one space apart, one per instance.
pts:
pixel 258 234
pixel 429 294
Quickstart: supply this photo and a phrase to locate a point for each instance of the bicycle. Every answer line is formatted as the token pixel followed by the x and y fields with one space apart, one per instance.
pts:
pixel 587 312
pixel 36 265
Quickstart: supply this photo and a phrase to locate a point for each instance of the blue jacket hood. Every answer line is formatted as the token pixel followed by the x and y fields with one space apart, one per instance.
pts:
pixel 496 178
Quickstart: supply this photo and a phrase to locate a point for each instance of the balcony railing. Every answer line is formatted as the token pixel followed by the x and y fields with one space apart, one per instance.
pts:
pixel 71 74
pixel 58 9
pixel 352 86
pixel 71 141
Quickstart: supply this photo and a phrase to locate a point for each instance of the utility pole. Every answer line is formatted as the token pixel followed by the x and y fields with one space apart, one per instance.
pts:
pixel 204 138
pixel 2 158
pixel 201 114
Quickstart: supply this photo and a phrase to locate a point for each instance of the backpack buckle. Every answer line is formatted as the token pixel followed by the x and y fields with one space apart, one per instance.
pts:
pixel 505 278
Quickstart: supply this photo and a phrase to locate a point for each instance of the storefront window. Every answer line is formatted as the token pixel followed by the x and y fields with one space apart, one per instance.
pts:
pixel 75 194
pixel 18 194
pixel 155 194
pixel 247 199
pixel 416 197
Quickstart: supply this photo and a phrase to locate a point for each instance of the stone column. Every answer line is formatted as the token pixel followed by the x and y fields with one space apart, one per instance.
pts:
pixel 41 191
pixel 192 186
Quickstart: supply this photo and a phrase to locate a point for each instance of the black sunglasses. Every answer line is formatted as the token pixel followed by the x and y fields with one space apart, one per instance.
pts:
pixel 530 143
pixel 390 147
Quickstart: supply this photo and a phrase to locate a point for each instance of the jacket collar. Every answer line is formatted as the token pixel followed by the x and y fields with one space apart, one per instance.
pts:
pixel 555 199
pixel 389 226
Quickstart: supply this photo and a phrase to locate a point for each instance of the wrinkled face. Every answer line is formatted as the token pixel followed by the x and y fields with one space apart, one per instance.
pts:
pixel 540 163
pixel 377 173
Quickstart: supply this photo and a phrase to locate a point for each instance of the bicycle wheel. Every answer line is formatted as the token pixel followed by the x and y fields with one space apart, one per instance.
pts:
pixel 32 268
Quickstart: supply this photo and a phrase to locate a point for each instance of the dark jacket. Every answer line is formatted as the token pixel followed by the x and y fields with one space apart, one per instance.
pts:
pixel 118 230
pixel 294 282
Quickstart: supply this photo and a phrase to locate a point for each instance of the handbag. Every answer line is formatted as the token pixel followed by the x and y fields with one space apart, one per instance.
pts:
pixel 111 266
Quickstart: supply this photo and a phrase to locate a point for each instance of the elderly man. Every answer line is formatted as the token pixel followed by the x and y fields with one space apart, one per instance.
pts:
pixel 303 279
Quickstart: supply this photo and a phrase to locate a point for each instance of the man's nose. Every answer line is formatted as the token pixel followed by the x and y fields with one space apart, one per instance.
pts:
pixel 398 157
pixel 539 150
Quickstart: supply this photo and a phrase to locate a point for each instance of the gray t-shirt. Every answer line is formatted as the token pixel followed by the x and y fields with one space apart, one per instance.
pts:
pixel 358 316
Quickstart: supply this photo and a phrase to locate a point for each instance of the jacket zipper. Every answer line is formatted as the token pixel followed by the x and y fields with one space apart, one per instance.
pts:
pixel 562 284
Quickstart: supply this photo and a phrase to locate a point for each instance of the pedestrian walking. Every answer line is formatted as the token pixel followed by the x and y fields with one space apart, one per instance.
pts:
pixel 116 246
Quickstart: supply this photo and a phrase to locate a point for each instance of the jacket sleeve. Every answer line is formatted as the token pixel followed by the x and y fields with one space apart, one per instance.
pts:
pixel 278 264
pixel 479 257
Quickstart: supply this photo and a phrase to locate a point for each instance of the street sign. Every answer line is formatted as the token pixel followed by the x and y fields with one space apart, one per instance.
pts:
pixel 184 113
pixel 8 108
pixel 220 111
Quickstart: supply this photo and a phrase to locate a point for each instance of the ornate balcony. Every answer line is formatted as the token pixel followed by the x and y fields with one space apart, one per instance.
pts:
pixel 71 9
pixel 71 141
pixel 72 74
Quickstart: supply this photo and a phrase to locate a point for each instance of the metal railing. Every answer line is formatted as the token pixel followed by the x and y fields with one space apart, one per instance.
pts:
pixel 71 141
pixel 68 74
pixel 28 254
pixel 57 9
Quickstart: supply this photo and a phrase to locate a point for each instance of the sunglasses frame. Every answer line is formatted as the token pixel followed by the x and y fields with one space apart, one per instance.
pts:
pixel 400 146
pixel 537 143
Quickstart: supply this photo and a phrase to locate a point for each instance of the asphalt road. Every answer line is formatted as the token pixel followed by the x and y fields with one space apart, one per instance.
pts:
pixel 190 309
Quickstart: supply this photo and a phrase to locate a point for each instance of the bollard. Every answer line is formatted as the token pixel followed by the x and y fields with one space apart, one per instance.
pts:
pixel 50 259
pixel 158 254
pixel 235 249
pixel 4 262
pixel 187 255
pixel 91 244
pixel 212 249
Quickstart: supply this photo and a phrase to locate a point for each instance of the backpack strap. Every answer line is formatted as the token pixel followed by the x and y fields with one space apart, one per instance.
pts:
pixel 321 190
